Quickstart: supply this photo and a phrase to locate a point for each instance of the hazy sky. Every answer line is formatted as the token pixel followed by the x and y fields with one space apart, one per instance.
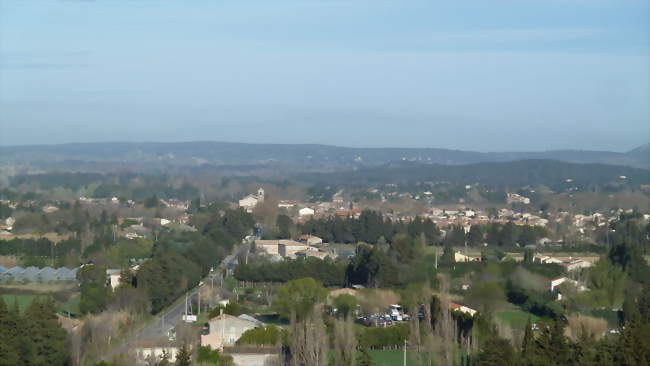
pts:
pixel 487 75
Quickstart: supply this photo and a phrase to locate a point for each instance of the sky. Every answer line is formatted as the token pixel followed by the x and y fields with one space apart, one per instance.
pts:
pixel 497 75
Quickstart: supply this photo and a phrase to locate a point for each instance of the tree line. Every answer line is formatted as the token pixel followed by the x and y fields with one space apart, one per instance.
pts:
pixel 33 338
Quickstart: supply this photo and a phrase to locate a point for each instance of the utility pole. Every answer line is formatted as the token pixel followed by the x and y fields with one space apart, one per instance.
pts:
pixel 405 352
pixel 199 294
pixel 436 265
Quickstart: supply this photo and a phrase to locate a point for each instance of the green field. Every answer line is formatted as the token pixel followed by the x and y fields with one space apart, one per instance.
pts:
pixel 517 319
pixel 23 301
pixel 391 358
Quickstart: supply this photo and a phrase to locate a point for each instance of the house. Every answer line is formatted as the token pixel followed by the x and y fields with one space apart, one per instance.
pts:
pixel 460 257
pixel 289 248
pixel 132 236
pixel 50 209
pixel 555 283
pixel 113 277
pixel 312 253
pixel 254 355
pixel 545 259
pixel 576 264
pixel 249 202
pixel 225 330
pixel 462 308
pixel 146 352
pixel 343 291
pixel 287 203
pixel 269 247
pixel 282 247
pixel 9 222
pixel 310 240
pixel 306 211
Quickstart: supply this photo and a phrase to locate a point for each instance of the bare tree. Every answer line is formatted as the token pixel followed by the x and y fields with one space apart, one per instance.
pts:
pixel 345 342
pixel 308 340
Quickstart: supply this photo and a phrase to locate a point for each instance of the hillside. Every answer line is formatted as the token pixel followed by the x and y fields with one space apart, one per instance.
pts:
pixel 554 174
pixel 220 153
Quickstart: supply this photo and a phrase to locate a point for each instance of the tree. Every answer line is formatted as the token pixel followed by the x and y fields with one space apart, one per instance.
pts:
pixel 298 297
pixel 8 336
pixel 308 340
pixel 152 202
pixel 364 358
pixel 284 225
pixel 404 248
pixel 345 304
pixel 496 351
pixel 45 334
pixel 207 356
pixel 269 336
pixel 94 292
pixel 183 358
pixel 345 342
pixel 475 236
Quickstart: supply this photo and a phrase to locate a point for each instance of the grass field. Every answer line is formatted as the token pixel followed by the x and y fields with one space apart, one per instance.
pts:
pixel 23 301
pixel 391 358
pixel 517 319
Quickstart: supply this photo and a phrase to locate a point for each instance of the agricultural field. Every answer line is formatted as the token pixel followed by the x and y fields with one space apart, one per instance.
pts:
pixel 517 319
pixel 23 301
pixel 392 357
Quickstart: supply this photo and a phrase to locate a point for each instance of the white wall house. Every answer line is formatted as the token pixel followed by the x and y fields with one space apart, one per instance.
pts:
pixel 225 330
pixel 306 211
pixel 249 202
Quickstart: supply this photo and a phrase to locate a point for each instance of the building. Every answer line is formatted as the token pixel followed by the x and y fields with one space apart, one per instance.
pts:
pixel 576 264
pixel 287 203
pixel 290 248
pixel 310 240
pixel 113 277
pixel 462 308
pixel 249 202
pixel 460 257
pixel 225 330
pixel 306 211
pixel 147 352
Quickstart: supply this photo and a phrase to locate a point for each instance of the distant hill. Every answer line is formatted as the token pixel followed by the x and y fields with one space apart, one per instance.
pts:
pixel 222 153
pixel 554 174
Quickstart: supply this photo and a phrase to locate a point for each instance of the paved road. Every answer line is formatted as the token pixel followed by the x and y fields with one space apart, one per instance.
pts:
pixel 172 317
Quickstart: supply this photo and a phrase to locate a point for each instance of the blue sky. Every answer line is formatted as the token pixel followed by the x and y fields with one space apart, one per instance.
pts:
pixel 482 75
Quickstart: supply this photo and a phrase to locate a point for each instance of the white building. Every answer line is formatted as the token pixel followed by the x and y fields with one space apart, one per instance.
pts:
pixel 225 330
pixel 250 201
pixel 113 277
pixel 306 211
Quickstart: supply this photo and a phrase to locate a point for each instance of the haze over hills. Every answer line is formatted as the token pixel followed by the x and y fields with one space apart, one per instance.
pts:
pixel 225 153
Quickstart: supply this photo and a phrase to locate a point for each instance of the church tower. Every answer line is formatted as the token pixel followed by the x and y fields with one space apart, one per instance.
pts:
pixel 260 194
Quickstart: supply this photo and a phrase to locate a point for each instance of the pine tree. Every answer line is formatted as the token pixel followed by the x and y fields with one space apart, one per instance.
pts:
pixel 8 351
pixel 45 334
pixel 496 352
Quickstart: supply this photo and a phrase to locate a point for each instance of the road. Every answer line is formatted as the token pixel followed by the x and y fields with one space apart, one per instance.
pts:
pixel 170 318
